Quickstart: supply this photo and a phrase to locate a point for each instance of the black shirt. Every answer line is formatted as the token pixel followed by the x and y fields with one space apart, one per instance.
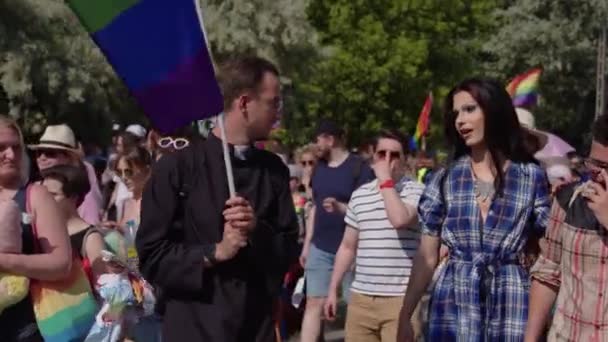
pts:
pixel 231 301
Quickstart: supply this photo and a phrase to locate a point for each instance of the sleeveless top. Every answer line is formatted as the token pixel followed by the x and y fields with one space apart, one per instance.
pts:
pixel 18 323
pixel 77 240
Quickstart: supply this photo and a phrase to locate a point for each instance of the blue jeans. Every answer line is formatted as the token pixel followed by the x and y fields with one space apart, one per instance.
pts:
pixel 319 267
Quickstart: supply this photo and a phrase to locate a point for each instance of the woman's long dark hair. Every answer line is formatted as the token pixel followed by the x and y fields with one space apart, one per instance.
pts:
pixel 503 134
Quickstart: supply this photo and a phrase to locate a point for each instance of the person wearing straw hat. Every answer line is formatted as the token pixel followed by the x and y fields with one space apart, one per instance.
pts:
pixel 58 146
pixel 220 260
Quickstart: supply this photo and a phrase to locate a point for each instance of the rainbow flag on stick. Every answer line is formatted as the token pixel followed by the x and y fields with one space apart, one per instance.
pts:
pixel 159 49
pixel 524 88
pixel 424 120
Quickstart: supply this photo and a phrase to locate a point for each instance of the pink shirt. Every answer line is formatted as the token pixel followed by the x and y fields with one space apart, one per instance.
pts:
pixel 90 209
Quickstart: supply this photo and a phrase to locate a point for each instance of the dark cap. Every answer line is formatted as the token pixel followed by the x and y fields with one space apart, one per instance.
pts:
pixel 330 128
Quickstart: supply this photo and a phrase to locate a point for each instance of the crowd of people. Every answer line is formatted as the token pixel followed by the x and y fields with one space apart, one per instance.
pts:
pixel 499 243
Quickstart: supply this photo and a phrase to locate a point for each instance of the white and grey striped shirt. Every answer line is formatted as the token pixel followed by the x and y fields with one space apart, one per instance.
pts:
pixel 384 254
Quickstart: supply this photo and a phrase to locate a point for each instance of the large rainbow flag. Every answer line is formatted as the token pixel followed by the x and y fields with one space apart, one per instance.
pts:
pixel 158 48
pixel 424 120
pixel 524 88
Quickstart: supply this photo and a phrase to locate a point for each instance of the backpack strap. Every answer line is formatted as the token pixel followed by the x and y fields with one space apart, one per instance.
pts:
pixel 357 172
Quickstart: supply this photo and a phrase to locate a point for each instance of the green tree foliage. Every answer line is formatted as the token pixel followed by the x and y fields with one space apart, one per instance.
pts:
pixel 561 37
pixel 278 30
pixel 384 56
pixel 51 71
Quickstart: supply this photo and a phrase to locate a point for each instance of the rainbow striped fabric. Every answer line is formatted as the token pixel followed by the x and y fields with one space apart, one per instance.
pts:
pixel 158 48
pixel 524 88
pixel 424 120
pixel 65 310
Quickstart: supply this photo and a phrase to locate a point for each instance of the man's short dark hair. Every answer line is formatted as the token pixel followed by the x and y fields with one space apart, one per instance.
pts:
pixel 328 127
pixel 242 74
pixel 394 135
pixel 600 130
pixel 74 180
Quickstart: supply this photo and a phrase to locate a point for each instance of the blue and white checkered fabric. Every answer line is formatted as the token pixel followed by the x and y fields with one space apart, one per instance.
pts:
pixel 482 293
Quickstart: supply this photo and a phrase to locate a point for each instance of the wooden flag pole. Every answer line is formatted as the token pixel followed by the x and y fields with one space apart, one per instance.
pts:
pixel 221 116
pixel 423 143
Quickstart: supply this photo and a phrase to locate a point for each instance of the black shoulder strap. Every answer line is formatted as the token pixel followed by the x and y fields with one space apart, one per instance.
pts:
pixel 21 200
pixel 357 171
pixel 564 195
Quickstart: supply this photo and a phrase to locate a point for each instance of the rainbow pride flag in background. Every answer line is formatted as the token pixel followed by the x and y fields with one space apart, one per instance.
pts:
pixel 524 88
pixel 424 120
pixel 158 48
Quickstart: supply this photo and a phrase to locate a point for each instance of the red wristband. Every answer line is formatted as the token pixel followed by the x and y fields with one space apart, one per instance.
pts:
pixel 389 183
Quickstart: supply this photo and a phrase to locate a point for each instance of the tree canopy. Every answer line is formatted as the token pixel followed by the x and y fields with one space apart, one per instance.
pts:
pixel 365 64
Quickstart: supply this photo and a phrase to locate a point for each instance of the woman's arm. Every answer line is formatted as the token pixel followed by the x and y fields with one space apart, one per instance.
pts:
pixel 93 246
pixel 425 262
pixel 54 259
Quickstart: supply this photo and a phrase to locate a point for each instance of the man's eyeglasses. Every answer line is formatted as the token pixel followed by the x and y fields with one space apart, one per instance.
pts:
pixel 393 155
pixel 177 143
pixel 596 164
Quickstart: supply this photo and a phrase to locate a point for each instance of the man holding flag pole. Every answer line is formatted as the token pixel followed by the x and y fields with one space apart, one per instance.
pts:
pixel 218 228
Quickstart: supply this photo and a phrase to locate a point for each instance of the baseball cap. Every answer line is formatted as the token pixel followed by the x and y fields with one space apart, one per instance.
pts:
pixel 330 128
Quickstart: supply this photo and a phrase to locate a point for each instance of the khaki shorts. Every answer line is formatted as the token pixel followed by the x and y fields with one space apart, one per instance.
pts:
pixel 375 318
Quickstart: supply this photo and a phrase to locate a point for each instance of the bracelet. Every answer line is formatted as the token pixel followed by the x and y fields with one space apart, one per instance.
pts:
pixel 389 183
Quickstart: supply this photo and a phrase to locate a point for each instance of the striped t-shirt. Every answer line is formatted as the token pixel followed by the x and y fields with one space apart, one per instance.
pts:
pixel 384 254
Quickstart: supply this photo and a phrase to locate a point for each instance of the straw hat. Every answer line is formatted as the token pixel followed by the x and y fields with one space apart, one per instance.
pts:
pixel 57 137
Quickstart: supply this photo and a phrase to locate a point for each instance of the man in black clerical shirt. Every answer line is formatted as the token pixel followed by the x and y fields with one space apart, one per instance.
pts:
pixel 219 261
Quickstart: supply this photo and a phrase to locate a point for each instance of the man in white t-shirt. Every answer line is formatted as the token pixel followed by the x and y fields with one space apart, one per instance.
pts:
pixel 382 235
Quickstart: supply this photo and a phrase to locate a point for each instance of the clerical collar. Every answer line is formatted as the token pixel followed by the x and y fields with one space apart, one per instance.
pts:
pixel 241 151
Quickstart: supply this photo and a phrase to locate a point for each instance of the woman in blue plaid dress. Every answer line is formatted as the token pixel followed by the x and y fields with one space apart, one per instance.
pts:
pixel 483 207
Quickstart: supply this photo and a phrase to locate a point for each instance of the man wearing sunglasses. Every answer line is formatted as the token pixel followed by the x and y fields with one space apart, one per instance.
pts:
pixel 218 260
pixel 572 270
pixel 381 235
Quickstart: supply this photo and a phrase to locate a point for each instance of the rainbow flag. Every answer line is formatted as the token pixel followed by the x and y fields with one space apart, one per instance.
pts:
pixel 424 120
pixel 159 49
pixel 524 88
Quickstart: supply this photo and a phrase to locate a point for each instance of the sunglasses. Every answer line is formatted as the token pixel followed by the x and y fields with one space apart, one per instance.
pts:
pixel 125 173
pixel 177 143
pixel 307 163
pixel 393 155
pixel 49 153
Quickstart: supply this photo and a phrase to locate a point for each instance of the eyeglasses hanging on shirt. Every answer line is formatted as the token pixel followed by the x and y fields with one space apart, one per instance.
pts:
pixel 177 143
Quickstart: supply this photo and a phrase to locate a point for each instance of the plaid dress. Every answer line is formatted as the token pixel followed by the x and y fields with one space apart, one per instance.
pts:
pixel 482 293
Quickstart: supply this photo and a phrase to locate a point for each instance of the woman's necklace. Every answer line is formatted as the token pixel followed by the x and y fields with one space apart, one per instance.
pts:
pixel 484 191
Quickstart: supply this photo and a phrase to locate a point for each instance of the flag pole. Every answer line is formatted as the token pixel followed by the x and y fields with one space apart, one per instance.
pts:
pixel 220 118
